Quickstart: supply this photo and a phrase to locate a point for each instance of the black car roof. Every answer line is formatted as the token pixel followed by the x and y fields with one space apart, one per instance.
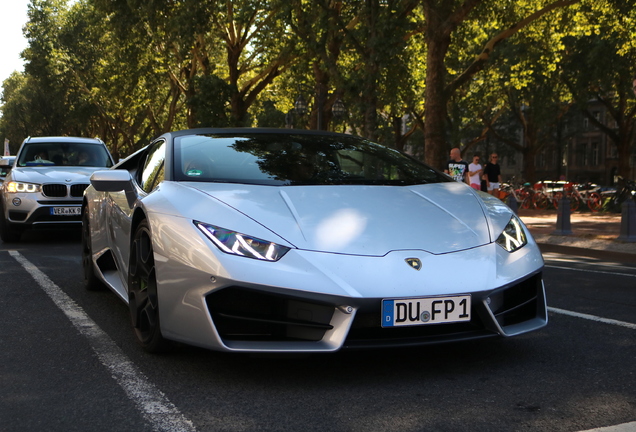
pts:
pixel 54 139
pixel 238 131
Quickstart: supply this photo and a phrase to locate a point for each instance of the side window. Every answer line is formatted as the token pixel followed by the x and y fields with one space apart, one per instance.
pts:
pixel 153 171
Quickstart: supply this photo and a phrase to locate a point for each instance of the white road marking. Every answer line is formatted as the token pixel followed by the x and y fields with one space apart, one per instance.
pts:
pixel 153 404
pixel 155 407
pixel 622 427
pixel 553 258
pixel 593 318
pixel 625 427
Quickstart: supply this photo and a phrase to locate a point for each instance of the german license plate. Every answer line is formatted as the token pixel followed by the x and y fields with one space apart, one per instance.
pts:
pixel 425 310
pixel 66 211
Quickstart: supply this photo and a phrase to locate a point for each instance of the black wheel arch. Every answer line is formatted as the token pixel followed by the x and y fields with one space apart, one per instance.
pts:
pixel 138 216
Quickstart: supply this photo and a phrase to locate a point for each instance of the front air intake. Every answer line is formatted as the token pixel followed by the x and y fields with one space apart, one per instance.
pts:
pixel 246 315
pixel 517 303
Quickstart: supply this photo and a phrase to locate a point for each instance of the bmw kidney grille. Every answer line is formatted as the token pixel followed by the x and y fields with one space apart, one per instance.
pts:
pixel 62 190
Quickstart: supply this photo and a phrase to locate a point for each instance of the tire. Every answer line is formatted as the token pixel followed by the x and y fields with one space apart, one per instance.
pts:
pixel 143 300
pixel 574 201
pixel 91 281
pixel 540 201
pixel 526 199
pixel 8 232
pixel 594 201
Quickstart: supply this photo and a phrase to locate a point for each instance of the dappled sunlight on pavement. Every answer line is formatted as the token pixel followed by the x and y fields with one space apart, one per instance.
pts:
pixel 597 231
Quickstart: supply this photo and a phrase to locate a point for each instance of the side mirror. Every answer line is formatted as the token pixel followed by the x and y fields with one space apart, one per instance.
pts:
pixel 114 181
pixel 111 180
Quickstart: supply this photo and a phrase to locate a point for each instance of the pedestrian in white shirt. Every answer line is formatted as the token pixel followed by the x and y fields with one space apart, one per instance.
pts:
pixel 475 171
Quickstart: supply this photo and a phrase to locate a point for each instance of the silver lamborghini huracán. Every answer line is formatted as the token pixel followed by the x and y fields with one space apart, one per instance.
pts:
pixel 254 240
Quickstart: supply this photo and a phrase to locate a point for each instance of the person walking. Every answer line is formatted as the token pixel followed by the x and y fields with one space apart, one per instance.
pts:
pixel 456 167
pixel 475 171
pixel 492 175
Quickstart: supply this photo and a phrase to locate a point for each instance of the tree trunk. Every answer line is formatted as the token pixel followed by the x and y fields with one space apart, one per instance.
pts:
pixel 529 170
pixel 372 68
pixel 396 122
pixel 370 100
pixel 319 120
pixel 236 101
pixel 435 110
pixel 624 153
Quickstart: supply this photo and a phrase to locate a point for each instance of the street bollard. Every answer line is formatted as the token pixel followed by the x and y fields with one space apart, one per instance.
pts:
pixel 628 221
pixel 512 203
pixel 563 223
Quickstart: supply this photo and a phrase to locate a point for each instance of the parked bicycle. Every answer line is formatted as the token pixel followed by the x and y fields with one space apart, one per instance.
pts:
pixel 626 189
pixel 588 196
pixel 521 194
pixel 544 193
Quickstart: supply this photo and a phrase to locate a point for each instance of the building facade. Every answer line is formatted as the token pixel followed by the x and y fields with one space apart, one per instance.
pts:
pixel 583 154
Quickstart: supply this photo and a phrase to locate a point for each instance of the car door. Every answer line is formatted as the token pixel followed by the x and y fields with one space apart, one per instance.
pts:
pixel 147 178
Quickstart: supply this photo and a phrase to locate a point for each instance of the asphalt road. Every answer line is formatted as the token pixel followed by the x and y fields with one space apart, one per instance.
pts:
pixel 68 361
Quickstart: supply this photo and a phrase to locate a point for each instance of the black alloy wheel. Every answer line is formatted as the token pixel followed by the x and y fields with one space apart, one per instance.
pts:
pixel 142 292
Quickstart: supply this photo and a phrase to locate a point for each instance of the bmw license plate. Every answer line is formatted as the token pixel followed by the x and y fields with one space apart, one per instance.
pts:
pixel 66 211
pixel 426 310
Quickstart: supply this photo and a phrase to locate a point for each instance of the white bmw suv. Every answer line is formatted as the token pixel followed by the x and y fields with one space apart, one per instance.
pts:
pixel 46 185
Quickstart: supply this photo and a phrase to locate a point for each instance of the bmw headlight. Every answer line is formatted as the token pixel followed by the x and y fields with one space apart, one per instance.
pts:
pixel 14 187
pixel 513 236
pixel 234 243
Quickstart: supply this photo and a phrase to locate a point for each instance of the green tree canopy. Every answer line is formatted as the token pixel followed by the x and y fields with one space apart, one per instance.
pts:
pixel 458 70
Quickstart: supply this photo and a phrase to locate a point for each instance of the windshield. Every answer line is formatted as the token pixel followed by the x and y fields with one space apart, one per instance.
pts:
pixel 295 159
pixel 64 154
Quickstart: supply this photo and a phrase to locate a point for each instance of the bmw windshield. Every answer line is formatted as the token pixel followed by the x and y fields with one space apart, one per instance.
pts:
pixel 64 154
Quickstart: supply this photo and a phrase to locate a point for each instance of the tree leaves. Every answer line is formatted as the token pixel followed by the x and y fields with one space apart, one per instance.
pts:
pixel 459 70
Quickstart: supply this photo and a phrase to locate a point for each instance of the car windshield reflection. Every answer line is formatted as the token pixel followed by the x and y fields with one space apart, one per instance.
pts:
pixel 64 154
pixel 287 160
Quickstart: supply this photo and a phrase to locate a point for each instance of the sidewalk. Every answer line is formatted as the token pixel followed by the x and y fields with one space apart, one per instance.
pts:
pixel 592 233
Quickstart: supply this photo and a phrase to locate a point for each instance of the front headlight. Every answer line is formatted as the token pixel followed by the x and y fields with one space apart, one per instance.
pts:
pixel 234 243
pixel 513 236
pixel 14 187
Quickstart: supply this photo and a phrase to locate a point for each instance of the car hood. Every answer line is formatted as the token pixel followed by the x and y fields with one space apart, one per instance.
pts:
pixel 365 220
pixel 53 174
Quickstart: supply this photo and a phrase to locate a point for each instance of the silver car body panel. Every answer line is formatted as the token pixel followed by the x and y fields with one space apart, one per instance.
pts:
pixel 32 208
pixel 30 202
pixel 364 263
